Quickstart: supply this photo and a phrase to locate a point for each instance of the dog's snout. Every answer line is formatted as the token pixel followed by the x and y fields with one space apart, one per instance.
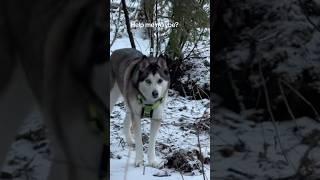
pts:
pixel 155 94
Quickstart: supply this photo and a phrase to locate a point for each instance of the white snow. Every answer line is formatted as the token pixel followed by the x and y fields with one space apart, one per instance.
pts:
pixel 28 157
pixel 238 141
pixel 118 170
pixel 175 133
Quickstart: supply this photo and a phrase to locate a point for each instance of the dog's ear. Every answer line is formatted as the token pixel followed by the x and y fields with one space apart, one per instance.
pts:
pixel 141 65
pixel 144 63
pixel 162 60
pixel 165 56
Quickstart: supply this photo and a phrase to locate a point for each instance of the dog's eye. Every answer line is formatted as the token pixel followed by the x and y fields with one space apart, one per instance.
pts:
pixel 166 72
pixel 148 81
pixel 159 81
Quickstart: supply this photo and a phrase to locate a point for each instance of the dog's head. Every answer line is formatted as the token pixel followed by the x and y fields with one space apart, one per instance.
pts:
pixel 153 78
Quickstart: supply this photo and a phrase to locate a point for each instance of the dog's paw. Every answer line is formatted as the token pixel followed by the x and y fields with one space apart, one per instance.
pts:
pixel 131 145
pixel 139 162
pixel 130 142
pixel 139 156
pixel 154 163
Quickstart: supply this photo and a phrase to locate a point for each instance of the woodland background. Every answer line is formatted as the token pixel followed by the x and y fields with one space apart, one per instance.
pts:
pixel 266 89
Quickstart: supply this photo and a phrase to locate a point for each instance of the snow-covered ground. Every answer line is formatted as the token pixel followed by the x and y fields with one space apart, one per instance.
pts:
pixel 239 142
pixel 177 132
pixel 28 157
pixel 119 167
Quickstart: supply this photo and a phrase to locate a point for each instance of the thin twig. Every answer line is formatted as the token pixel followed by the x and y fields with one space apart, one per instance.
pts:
pixel 249 176
pixel 181 175
pixel 194 94
pixel 303 98
pixel 285 100
pixel 144 170
pixel 203 92
pixel 200 152
pixel 308 17
pixel 268 103
pixel 183 90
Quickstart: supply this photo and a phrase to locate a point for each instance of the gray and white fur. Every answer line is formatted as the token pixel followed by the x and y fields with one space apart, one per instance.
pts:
pixel 133 73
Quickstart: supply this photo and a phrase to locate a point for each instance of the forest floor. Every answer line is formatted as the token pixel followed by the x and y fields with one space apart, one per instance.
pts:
pixel 239 142
pixel 177 138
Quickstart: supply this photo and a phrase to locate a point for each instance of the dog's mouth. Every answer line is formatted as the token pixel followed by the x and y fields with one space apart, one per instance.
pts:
pixel 152 100
pixel 156 99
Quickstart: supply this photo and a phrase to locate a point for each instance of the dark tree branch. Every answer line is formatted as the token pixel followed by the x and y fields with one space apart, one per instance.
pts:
pixel 307 16
pixel 148 7
pixel 157 31
pixel 126 15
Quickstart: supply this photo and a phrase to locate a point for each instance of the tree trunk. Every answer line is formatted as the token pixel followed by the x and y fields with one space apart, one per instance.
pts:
pixel 148 7
pixel 126 15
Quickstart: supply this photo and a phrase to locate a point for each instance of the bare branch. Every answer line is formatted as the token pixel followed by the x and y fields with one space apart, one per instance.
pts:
pixel 273 120
pixel 308 17
pixel 303 98
pixel 287 104
pixel 126 15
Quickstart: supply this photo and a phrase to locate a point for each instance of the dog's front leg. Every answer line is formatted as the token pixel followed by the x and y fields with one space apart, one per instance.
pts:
pixel 127 129
pixel 136 125
pixel 155 125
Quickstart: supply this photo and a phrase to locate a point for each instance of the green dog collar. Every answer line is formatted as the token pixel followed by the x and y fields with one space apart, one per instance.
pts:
pixel 147 109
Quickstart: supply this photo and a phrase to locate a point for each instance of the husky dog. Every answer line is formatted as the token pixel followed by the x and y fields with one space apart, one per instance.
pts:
pixel 143 82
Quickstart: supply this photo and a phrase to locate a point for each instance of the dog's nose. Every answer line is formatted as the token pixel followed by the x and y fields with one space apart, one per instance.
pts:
pixel 155 94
